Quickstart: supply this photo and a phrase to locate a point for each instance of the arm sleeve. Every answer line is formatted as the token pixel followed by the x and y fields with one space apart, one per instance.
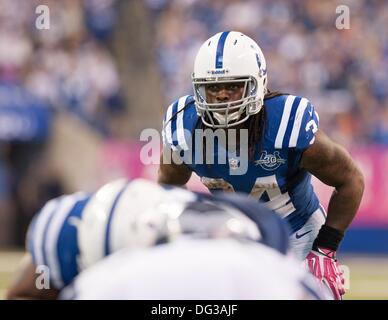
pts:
pixel 305 126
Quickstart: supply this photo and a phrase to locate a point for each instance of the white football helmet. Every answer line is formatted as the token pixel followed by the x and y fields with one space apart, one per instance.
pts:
pixel 229 57
pixel 140 214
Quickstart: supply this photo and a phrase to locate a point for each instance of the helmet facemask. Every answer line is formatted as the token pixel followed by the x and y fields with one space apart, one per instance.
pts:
pixel 230 113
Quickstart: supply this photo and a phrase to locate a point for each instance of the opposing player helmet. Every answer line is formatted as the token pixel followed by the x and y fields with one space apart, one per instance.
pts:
pixel 229 57
pixel 141 214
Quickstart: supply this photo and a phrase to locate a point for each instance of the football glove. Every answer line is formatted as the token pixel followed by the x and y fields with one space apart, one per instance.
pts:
pixel 323 264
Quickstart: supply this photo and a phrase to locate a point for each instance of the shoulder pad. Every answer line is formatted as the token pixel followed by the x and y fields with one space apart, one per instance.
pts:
pixel 179 122
pixel 297 123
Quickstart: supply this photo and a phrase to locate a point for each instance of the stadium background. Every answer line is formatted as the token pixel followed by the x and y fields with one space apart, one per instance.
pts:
pixel 74 98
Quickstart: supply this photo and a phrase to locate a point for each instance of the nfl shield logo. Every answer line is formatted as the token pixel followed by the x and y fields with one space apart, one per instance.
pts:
pixel 233 164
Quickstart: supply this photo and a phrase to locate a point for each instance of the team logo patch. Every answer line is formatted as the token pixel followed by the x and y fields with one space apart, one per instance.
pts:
pixel 270 161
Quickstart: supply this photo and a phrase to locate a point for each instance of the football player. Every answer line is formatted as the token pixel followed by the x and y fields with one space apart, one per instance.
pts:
pixel 73 232
pixel 284 148
pixel 197 249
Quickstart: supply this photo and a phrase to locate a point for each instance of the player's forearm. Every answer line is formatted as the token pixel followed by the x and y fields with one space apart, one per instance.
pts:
pixel 333 165
pixel 23 285
pixel 345 202
pixel 172 173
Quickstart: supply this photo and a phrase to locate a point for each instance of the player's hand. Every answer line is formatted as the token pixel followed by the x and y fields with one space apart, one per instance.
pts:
pixel 323 264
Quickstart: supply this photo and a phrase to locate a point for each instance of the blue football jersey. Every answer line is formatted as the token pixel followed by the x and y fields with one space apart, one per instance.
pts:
pixel 275 175
pixel 52 237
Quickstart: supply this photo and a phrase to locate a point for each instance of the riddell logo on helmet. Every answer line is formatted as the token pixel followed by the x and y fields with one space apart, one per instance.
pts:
pixel 222 71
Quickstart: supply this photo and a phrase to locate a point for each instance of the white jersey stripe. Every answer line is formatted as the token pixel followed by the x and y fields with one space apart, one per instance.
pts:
pixel 39 230
pixel 298 122
pixel 54 229
pixel 284 122
pixel 180 127
pixel 164 133
pixel 316 114
pixel 168 125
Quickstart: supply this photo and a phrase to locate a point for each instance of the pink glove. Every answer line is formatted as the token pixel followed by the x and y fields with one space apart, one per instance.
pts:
pixel 325 267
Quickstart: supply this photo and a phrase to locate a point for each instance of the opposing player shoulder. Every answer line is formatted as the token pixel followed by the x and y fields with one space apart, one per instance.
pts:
pixel 273 229
pixel 52 237
pixel 179 122
pixel 292 121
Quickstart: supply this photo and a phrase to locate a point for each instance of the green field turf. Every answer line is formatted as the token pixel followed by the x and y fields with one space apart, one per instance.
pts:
pixel 368 275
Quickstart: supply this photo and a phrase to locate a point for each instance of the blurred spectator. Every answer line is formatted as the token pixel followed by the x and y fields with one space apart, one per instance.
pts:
pixel 100 16
pixel 42 72
pixel 67 66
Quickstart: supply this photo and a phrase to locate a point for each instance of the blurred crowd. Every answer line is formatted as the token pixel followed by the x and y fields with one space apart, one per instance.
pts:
pixel 68 68
pixel 343 72
pixel 68 65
